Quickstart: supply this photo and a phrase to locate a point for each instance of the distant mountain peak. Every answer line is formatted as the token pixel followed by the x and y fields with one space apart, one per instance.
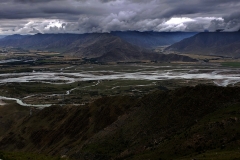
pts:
pixel 210 43
pixel 114 46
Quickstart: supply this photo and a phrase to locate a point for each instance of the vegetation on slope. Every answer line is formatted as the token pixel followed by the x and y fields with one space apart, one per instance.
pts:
pixel 189 122
pixel 27 156
pixel 210 43
pixel 175 124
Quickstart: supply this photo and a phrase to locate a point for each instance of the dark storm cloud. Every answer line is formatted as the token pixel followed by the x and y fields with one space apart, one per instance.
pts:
pixel 231 22
pixel 105 1
pixel 233 16
pixel 31 1
pixel 80 16
pixel 60 9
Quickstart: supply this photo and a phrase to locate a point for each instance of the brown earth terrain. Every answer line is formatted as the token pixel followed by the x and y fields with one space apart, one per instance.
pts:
pixel 185 122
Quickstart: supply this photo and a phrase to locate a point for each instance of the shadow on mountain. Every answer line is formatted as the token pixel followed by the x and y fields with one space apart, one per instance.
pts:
pixel 186 122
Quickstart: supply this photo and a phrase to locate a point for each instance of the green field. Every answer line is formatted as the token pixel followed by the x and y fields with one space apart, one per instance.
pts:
pixel 231 64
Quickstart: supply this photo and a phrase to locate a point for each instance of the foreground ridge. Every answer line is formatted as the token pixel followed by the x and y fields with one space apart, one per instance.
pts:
pixel 186 122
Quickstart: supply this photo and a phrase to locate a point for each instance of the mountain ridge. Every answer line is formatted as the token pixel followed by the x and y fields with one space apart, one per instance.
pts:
pixel 188 121
pixel 210 43
pixel 152 39
pixel 137 38
pixel 103 47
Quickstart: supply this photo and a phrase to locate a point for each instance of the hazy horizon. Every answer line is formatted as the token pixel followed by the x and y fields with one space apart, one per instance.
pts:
pixel 2 36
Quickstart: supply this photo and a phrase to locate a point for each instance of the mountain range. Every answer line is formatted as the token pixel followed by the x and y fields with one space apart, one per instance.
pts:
pixel 105 47
pixel 152 39
pixel 131 45
pixel 141 39
pixel 210 43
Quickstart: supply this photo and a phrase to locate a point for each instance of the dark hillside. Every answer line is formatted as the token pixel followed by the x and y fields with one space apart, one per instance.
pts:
pixel 101 47
pixel 53 129
pixel 210 43
pixel 187 122
pixel 166 124
pixel 152 39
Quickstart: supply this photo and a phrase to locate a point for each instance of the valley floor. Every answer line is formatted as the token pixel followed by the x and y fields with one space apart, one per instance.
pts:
pixel 42 85
pixel 82 110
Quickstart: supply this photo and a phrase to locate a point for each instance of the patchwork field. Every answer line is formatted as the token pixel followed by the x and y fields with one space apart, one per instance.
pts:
pixel 57 80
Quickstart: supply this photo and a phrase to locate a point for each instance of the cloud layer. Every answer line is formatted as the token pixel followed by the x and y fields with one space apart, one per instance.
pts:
pixel 84 16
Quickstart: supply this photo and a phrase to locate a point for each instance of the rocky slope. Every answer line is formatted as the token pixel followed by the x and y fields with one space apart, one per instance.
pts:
pixel 152 39
pixel 54 41
pixel 103 47
pixel 181 124
pixel 210 43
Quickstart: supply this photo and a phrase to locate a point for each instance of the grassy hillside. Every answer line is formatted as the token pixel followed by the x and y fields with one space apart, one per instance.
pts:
pixel 176 124
pixel 27 156
pixel 199 122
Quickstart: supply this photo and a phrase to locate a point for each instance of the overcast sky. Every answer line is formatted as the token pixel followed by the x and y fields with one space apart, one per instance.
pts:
pixel 86 16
